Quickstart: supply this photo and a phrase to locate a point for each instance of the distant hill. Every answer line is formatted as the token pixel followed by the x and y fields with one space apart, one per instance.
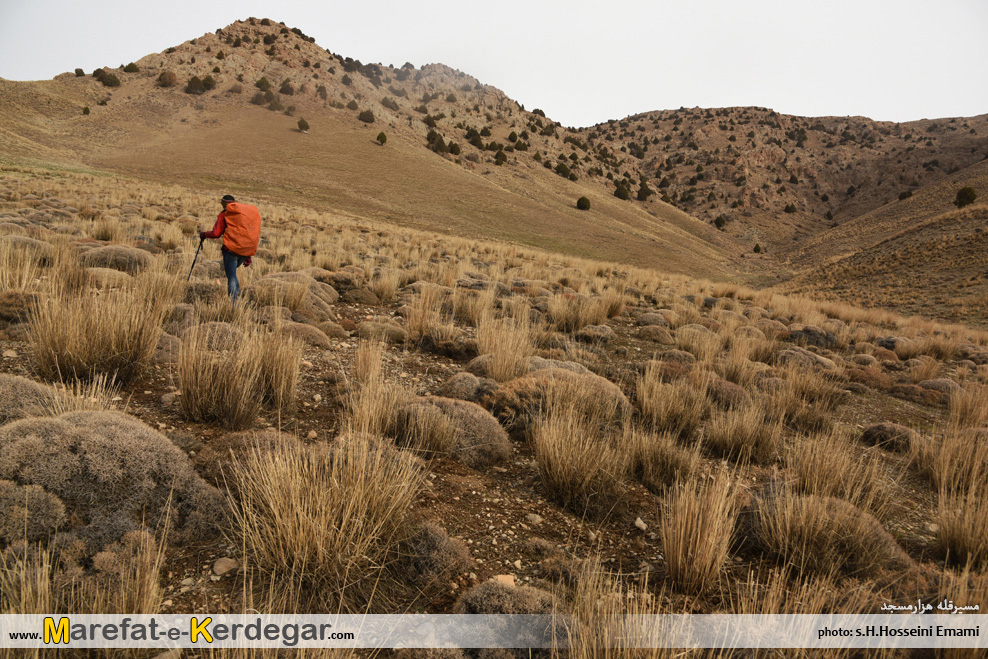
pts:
pixel 220 111
pixel 918 256
pixel 778 179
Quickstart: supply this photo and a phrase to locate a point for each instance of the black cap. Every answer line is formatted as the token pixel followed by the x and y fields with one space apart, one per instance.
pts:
pixel 227 198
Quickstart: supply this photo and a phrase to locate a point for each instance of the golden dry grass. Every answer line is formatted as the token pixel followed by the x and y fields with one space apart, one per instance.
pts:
pixel 86 336
pixel 325 518
pixel 678 407
pixel 508 342
pixel 580 467
pixel 744 434
pixel 696 529
pixel 827 465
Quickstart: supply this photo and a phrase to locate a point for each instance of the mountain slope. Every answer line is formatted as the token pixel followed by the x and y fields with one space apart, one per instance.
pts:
pixel 461 157
pixel 221 138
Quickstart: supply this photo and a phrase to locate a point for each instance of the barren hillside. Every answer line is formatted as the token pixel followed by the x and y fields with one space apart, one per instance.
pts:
pixel 462 158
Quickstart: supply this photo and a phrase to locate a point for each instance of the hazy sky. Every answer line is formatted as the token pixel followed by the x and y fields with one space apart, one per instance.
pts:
pixel 580 61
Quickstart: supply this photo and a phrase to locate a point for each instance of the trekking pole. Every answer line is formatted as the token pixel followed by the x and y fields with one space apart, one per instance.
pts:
pixel 189 278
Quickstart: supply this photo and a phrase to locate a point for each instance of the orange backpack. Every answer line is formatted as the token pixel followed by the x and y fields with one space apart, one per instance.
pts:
pixel 243 229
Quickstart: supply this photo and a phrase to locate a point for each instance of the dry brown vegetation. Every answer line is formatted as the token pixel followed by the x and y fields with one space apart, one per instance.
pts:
pixel 719 469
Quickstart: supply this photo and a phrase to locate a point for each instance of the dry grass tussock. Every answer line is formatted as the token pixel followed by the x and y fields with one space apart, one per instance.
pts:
pixel 602 620
pixel 744 434
pixel 428 318
pixel 824 536
pixel 373 404
pixel 785 592
pixel 831 465
pixel 509 344
pixel 581 466
pixel 100 393
pixel 677 407
pixel 954 460
pixel 325 519
pixel 696 529
pixel 256 366
pixel 969 407
pixel 123 580
pixel 570 313
pixel 806 401
pixel 658 461
pixel 963 532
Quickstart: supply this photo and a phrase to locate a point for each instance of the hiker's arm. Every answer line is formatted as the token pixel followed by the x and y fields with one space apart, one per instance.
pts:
pixel 218 228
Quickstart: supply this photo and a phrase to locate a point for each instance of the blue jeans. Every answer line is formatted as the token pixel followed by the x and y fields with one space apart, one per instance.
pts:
pixel 231 262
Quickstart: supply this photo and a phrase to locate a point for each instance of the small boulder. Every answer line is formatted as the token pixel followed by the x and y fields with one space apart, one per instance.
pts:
pixel 383 331
pixel 727 394
pixel 596 334
pixel 891 436
pixel 117 257
pixel 467 386
pixel 363 296
pixel 307 334
pixel 656 334
pixel 652 319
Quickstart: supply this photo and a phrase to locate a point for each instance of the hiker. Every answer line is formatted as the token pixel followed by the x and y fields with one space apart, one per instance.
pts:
pixel 240 226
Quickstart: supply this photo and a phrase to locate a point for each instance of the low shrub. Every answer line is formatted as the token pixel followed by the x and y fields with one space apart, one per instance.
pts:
pixel 167 79
pixel 195 86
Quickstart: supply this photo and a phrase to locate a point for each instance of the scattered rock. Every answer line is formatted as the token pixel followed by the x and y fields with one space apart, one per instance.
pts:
pixel 386 331
pixel 727 394
pixel 652 319
pixel 640 523
pixel 224 565
pixel 363 296
pixel 117 257
pixel 534 519
pixel 656 334
pixel 945 386
pixel 596 334
pixel 891 436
